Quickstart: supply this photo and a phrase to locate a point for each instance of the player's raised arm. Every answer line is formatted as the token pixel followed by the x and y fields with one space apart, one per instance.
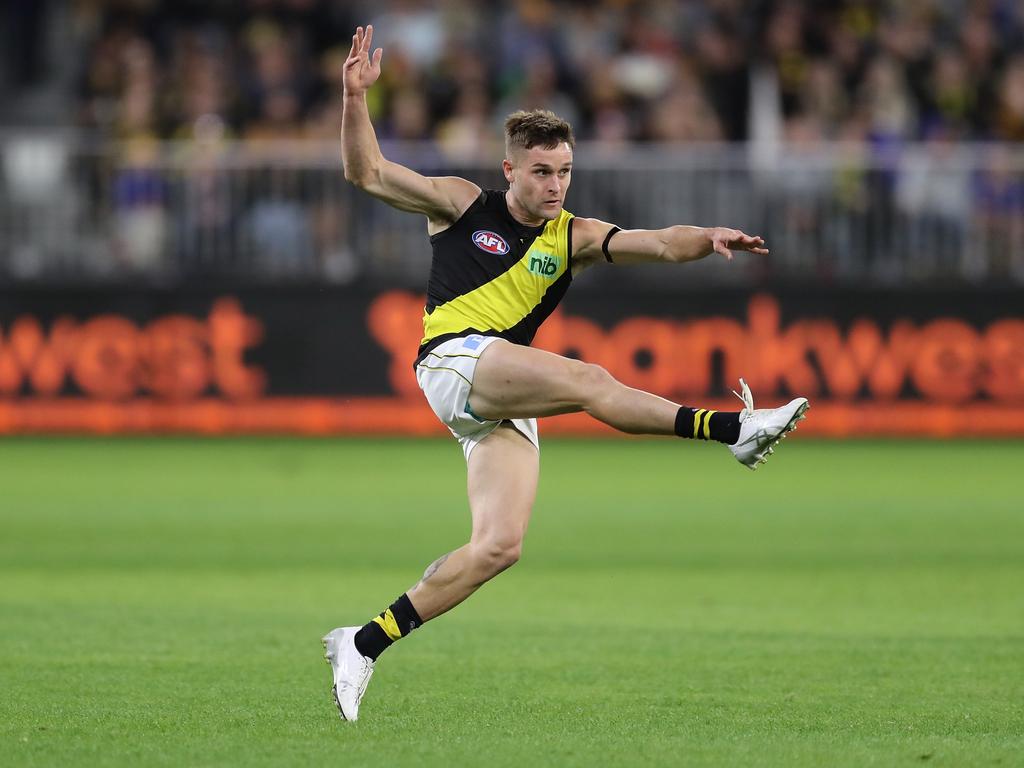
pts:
pixel 441 199
pixel 595 241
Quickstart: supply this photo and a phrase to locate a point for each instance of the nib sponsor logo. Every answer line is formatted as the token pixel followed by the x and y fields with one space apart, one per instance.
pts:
pixel 544 264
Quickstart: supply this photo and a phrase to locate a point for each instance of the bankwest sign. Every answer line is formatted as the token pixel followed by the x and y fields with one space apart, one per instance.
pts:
pixel 338 362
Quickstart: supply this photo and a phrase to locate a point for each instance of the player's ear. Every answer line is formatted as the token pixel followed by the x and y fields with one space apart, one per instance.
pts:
pixel 506 167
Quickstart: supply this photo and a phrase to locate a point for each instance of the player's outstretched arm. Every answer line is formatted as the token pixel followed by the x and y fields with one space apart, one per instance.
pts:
pixel 441 199
pixel 673 244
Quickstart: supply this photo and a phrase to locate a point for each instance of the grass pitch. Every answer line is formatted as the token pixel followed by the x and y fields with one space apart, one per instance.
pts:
pixel 850 604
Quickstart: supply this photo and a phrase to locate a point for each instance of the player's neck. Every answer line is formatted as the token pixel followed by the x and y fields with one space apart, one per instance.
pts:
pixel 519 213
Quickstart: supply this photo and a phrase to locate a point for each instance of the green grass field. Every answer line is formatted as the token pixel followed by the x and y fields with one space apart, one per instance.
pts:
pixel 851 604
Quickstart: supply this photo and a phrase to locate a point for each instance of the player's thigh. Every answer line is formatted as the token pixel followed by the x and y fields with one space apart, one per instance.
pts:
pixel 516 382
pixel 502 484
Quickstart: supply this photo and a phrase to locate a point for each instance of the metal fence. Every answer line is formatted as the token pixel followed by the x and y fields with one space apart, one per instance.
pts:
pixel 75 211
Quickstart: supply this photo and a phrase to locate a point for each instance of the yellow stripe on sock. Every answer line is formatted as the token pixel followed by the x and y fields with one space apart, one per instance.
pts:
pixel 707 424
pixel 696 422
pixel 389 625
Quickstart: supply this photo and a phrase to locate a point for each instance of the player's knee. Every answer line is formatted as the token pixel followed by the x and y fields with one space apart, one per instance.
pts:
pixel 494 555
pixel 501 555
pixel 593 382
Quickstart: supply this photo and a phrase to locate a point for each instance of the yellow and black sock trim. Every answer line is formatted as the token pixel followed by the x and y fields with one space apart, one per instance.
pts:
pixel 704 424
pixel 382 631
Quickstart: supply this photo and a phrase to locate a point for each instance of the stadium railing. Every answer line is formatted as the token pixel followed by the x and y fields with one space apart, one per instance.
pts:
pixel 77 210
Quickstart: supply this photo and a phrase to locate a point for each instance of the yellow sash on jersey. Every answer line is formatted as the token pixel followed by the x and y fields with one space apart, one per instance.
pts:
pixel 504 301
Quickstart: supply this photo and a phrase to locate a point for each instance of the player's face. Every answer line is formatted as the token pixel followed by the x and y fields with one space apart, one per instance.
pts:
pixel 539 179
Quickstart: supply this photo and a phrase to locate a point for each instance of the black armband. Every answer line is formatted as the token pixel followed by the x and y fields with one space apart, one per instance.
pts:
pixel 604 245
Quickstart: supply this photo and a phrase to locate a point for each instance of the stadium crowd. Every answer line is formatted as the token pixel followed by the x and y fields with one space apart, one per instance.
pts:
pixel 620 70
pixel 904 84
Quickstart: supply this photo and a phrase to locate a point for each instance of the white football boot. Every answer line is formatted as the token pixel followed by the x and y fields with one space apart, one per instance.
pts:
pixel 760 430
pixel 352 670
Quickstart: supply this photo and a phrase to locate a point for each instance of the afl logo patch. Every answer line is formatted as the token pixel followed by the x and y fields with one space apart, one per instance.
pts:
pixel 486 240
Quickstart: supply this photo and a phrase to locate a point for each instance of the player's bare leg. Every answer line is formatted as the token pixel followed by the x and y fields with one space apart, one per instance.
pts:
pixel 502 484
pixel 503 472
pixel 514 381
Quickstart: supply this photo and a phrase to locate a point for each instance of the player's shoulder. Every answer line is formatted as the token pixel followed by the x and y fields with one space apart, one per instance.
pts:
pixel 588 240
pixel 586 232
pixel 486 210
pixel 453 195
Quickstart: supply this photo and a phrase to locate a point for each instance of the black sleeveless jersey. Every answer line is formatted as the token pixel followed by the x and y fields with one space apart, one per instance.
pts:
pixel 494 276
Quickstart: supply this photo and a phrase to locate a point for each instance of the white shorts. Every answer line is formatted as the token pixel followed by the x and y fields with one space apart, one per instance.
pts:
pixel 446 376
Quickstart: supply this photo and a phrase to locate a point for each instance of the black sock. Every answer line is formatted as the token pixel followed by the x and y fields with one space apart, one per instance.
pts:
pixel 703 424
pixel 381 631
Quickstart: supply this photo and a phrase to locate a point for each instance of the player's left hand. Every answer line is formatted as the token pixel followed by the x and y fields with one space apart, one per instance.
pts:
pixel 724 241
pixel 361 69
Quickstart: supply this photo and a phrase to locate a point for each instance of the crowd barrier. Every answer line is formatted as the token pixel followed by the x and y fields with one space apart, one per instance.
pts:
pixel 845 214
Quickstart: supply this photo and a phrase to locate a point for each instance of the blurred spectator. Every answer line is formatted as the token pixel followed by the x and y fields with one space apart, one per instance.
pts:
pixel 998 191
pixel 951 98
pixel 409 119
pixel 414 27
pixel 199 85
pixel 277 234
pixel 469 130
pixel 824 97
pixel 886 100
pixel 336 260
pixel 204 206
pixel 537 88
pixel 276 86
pixel 139 217
pixel 724 75
pixel 1009 118
pixel 683 114
pixel 933 192
pixel 278 119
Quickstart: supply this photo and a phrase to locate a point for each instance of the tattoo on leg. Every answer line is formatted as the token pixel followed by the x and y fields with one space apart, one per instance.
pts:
pixel 432 568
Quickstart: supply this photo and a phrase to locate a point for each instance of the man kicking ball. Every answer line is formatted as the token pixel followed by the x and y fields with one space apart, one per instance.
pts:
pixel 502 260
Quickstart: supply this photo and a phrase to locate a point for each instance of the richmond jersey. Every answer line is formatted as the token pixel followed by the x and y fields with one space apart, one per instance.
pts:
pixel 494 276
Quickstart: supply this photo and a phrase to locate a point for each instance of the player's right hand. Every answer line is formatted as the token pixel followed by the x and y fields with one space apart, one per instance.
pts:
pixel 360 70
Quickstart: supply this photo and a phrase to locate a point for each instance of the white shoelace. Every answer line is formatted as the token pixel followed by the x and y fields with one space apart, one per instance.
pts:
pixel 747 398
